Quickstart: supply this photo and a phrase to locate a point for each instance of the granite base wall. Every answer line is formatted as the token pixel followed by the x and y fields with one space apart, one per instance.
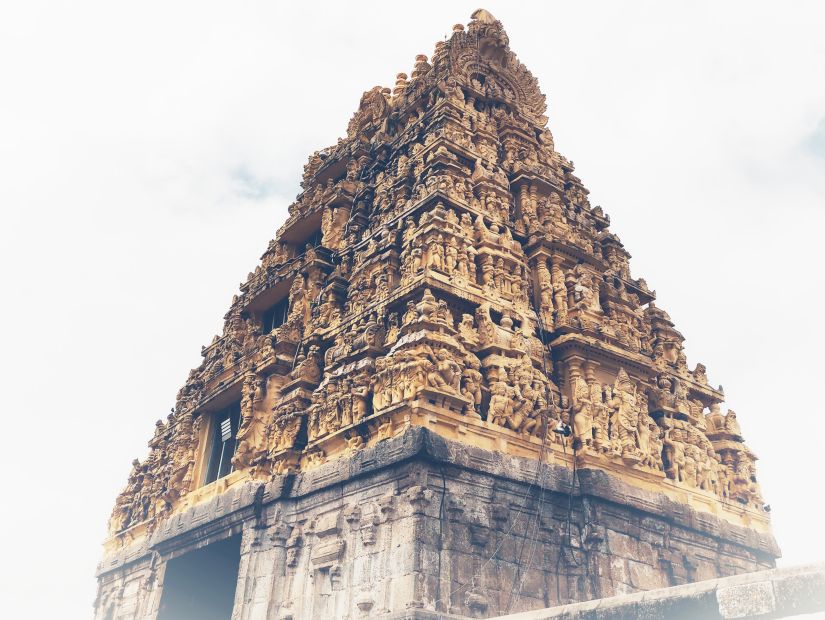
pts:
pixel 419 523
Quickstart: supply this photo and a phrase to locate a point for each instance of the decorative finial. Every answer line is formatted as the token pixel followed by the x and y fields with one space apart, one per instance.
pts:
pixel 421 66
pixel 484 16
pixel 400 84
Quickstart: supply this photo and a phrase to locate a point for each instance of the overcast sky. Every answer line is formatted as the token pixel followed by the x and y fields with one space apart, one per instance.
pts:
pixel 149 150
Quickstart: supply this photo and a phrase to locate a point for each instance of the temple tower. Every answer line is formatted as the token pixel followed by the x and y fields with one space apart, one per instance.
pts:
pixel 441 390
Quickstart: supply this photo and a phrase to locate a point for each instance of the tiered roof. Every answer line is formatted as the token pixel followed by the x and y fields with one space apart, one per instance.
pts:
pixel 443 266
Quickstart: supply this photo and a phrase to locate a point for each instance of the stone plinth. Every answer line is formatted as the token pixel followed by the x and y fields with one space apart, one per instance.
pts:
pixel 421 522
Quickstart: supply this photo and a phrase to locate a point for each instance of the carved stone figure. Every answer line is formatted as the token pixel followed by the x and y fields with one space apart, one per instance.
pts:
pixel 627 415
pixel 582 410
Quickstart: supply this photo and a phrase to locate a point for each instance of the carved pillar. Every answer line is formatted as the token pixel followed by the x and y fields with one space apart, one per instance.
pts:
pixel 590 371
pixel 523 198
pixel 574 368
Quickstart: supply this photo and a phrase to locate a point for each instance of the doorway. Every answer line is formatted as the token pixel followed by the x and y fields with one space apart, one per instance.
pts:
pixel 200 585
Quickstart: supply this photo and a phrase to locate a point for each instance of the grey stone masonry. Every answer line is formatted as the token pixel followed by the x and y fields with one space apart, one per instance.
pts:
pixel 776 593
pixel 420 526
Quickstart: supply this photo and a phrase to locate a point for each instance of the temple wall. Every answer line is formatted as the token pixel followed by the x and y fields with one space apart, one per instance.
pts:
pixel 360 537
pixel 776 593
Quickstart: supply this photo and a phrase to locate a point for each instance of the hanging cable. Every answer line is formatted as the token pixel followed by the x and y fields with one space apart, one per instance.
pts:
pixel 544 426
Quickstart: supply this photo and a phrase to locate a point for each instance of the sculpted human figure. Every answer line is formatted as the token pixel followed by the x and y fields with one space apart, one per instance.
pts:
pixel 345 403
pixel 501 407
pixel 314 414
pixel 601 419
pixel 252 429
pixel 409 230
pixel 376 384
pixel 533 420
pixel 726 475
pixel 714 475
pixel 545 289
pixel 559 295
pixel 417 260
pixel 247 399
pixel 674 449
pixel 467 331
pixel 487 330
pixel 732 424
pixel 700 374
pixel 691 466
pixel 703 469
pixel 451 258
pixel 527 407
pixel 463 264
pixel 680 392
pixel 582 410
pixel 126 503
pixel 471 254
pixel 499 278
pixel 472 380
pixel 466 223
pixel 411 313
pixel 393 327
pixel 745 467
pixel 624 402
pixel 296 299
pixel 517 282
pixel 522 397
pixel 487 271
pixel 653 440
pixel 435 255
pixel 443 315
pixel 448 372
pixel 585 291
pixel 308 367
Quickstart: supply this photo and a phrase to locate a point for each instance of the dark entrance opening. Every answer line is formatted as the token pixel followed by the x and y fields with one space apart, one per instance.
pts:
pixel 200 585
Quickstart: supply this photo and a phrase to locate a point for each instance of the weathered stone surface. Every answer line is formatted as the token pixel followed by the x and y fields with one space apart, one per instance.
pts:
pixel 442 390
pixel 383 531
pixel 746 600
pixel 777 593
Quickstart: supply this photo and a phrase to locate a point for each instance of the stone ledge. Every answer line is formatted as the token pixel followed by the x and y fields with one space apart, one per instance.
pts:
pixel 236 504
pixel 418 441
pixel 775 593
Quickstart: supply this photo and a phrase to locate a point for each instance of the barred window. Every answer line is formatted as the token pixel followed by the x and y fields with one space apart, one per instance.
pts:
pixel 224 432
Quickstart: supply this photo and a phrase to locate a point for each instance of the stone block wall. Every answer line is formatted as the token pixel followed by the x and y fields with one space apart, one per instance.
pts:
pixel 419 522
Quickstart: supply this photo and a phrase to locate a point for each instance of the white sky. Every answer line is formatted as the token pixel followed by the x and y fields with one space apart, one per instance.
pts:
pixel 148 151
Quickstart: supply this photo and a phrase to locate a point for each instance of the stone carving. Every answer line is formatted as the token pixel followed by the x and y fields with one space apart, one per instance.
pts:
pixel 433 258
pixel 441 333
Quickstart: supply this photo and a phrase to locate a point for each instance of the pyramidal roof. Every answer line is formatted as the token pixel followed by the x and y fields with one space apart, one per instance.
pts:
pixel 443 267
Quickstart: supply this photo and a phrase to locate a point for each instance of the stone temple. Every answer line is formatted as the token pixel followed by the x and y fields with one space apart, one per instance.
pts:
pixel 441 392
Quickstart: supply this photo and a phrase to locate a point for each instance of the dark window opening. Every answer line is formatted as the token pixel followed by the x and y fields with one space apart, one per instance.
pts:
pixel 314 240
pixel 224 431
pixel 200 585
pixel 276 315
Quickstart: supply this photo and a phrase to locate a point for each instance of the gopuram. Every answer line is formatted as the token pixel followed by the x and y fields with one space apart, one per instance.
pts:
pixel 440 392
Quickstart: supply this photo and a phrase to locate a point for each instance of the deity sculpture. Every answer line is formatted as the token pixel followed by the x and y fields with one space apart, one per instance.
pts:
pixel 582 411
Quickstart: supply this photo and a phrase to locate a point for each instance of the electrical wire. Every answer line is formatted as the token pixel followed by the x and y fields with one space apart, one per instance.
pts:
pixel 441 528
pixel 545 430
